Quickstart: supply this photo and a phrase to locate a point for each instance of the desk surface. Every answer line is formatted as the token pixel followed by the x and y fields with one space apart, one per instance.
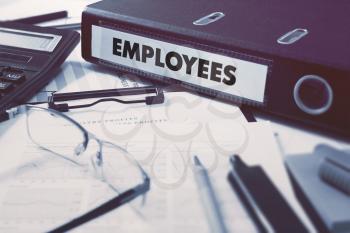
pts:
pixel 75 75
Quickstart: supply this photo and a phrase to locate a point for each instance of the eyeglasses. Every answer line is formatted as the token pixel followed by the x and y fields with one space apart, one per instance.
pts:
pixel 112 164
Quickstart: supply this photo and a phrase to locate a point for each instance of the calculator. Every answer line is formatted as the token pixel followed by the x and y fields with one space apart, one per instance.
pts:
pixel 30 56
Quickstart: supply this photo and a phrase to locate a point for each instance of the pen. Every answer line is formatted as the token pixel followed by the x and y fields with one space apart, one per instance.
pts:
pixel 279 144
pixel 42 18
pixel 158 98
pixel 266 205
pixel 255 213
pixel 72 26
pixel 106 207
pixel 209 199
pixel 104 93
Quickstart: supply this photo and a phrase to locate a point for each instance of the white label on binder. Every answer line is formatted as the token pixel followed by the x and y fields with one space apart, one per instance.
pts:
pixel 222 73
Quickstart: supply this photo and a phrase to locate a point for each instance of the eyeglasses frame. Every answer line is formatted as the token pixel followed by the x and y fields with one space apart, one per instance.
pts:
pixel 122 198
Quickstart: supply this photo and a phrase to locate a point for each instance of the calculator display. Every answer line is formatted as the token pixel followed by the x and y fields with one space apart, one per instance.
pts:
pixel 28 40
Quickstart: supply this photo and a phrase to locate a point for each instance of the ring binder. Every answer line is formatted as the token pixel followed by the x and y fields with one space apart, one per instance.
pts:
pixel 158 40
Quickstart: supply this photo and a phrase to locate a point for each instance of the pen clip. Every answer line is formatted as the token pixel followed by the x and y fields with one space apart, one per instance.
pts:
pixel 237 162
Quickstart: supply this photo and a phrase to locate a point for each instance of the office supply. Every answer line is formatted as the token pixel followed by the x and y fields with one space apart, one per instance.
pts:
pixel 335 169
pixel 12 10
pixel 29 58
pixel 268 206
pixel 71 26
pixel 112 164
pixel 236 57
pixel 209 199
pixel 158 98
pixel 173 202
pixel 327 207
pixel 42 18
pixel 175 206
pixel 111 205
pixel 76 75
pixel 54 100
pixel 261 222
pixel 57 97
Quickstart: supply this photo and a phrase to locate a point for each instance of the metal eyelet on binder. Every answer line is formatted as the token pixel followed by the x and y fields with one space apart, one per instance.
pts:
pixel 209 19
pixel 313 95
pixel 292 36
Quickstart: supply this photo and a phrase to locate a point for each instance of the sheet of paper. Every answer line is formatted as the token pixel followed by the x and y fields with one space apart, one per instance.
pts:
pixel 163 138
pixel 37 176
pixel 261 149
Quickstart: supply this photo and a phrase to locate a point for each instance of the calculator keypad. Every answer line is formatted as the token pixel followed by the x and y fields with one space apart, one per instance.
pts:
pixel 5 87
pixel 13 75
pixel 10 79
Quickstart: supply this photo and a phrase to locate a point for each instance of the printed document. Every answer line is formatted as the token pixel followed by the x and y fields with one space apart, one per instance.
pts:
pixel 42 191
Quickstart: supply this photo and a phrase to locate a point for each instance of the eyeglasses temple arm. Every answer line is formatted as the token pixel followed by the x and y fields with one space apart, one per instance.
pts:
pixel 110 205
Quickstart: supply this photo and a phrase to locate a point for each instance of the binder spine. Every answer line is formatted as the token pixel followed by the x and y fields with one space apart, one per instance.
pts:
pixel 289 84
pixel 111 22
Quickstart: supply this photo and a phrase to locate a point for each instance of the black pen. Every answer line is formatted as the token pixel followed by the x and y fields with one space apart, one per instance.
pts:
pixel 42 18
pixel 106 207
pixel 253 209
pixel 156 98
pixel 104 93
pixel 72 26
pixel 263 201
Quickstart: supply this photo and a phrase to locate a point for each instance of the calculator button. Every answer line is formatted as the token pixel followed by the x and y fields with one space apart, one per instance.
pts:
pixel 5 86
pixel 12 75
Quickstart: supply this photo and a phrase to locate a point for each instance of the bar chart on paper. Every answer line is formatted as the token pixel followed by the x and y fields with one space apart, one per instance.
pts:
pixel 46 191
pixel 47 209
pixel 171 205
